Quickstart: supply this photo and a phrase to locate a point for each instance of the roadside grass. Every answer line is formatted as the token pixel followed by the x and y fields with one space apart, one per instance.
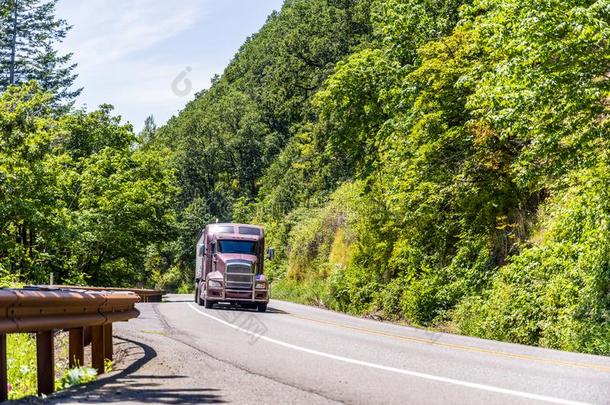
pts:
pixel 21 355
pixel 21 362
pixel 308 292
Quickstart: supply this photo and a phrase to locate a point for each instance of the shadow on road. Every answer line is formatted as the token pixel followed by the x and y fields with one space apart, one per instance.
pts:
pixel 182 300
pixel 127 386
pixel 227 307
pixel 271 310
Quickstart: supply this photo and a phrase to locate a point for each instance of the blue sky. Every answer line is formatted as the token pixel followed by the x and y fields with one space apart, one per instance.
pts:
pixel 141 55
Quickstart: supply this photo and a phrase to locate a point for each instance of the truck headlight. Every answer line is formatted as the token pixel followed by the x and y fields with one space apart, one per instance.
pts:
pixel 261 285
pixel 214 283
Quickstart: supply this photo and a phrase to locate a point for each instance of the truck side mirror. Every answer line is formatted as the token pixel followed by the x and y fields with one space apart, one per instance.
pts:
pixel 270 253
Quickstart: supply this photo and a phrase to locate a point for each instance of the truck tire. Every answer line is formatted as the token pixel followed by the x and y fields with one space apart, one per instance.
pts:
pixel 198 299
pixel 197 293
pixel 208 304
pixel 262 307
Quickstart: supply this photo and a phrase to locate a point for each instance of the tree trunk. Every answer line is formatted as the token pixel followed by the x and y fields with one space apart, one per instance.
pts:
pixel 13 44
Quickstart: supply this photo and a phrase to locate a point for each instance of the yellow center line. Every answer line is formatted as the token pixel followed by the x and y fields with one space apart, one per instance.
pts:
pixel 461 347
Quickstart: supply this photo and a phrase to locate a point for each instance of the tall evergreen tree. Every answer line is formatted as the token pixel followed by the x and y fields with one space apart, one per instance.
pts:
pixel 150 127
pixel 29 30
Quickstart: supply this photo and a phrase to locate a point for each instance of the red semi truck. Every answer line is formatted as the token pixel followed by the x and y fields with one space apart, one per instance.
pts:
pixel 229 266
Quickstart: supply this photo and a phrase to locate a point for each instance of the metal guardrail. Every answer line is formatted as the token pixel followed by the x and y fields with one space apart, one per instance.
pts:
pixel 146 295
pixel 42 310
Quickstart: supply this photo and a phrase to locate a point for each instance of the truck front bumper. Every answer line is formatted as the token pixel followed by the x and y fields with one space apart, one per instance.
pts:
pixel 221 294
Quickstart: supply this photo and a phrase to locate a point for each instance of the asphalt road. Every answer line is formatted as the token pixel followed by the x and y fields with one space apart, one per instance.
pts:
pixel 178 352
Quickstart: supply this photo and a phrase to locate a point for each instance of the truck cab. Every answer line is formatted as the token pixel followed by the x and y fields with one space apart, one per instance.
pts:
pixel 229 266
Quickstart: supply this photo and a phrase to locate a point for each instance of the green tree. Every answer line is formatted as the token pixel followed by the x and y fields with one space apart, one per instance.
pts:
pixel 149 130
pixel 29 31
pixel 32 173
pixel 77 200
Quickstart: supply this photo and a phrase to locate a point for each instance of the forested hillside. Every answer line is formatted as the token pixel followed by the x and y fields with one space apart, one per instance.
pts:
pixel 443 162
pixel 440 162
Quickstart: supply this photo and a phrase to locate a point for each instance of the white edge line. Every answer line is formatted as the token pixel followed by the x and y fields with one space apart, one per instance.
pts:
pixel 432 377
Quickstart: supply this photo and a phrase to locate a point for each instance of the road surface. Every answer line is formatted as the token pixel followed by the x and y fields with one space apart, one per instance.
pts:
pixel 178 352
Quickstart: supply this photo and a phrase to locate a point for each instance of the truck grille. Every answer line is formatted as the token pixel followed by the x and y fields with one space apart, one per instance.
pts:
pixel 239 277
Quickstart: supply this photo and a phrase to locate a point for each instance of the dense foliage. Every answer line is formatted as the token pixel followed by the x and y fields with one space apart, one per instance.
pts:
pixel 76 199
pixel 444 162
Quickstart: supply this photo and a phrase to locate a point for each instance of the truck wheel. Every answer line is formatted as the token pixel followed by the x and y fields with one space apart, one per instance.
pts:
pixel 197 293
pixel 198 299
pixel 262 307
pixel 208 304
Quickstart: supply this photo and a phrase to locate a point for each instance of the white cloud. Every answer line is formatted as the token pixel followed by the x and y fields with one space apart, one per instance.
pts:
pixel 116 29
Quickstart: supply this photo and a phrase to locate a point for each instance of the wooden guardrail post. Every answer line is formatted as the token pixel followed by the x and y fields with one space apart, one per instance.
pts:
pixel 108 349
pixel 76 347
pixel 3 369
pixel 97 348
pixel 45 361
pixel 87 335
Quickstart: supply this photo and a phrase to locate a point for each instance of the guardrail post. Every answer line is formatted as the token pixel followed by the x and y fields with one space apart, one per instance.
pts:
pixel 46 362
pixel 87 335
pixel 97 348
pixel 77 350
pixel 108 352
pixel 3 369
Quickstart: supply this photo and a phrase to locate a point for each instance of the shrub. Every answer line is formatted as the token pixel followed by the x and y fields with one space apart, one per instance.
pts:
pixel 77 376
pixel 555 293
pixel 309 292
pixel 175 280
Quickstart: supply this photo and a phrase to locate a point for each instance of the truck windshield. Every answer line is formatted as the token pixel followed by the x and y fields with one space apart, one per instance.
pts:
pixel 237 246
